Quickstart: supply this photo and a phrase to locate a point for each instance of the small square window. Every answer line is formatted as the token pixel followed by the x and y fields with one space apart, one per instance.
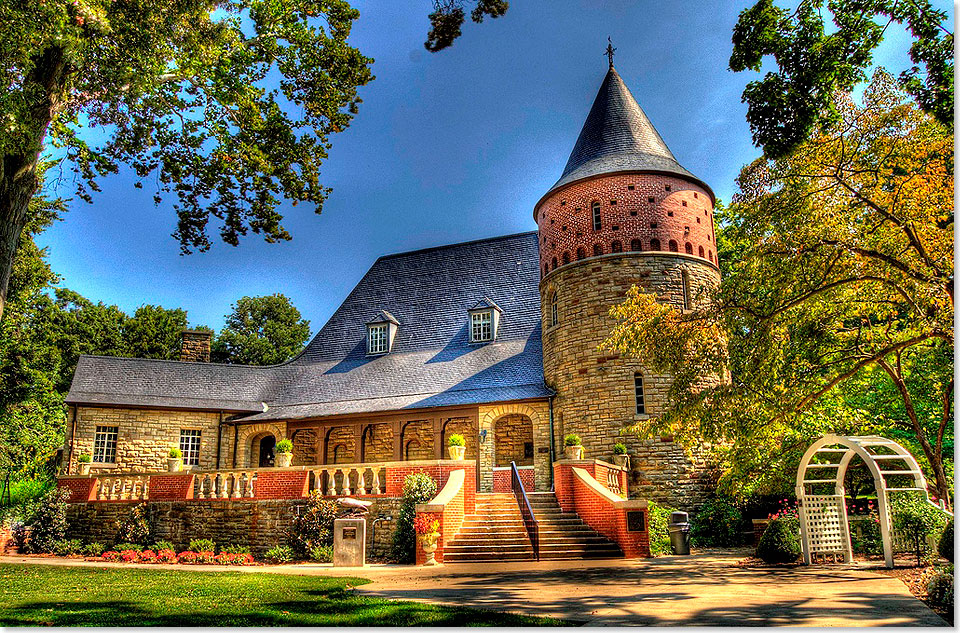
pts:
pixel 633 213
pixel 377 338
pixel 630 187
pixel 698 220
pixel 653 225
pixel 190 446
pixel 667 187
pixel 651 199
pixel 613 202
pixel 695 195
pixel 563 228
pixel 105 445
pixel 481 326
pixel 670 213
pixel 615 227
pixel 684 203
pixel 563 203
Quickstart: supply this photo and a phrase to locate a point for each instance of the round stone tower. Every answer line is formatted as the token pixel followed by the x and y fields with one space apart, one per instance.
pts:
pixel 624 212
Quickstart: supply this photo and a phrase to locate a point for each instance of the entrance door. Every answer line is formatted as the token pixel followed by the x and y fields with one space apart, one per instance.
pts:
pixel 267 444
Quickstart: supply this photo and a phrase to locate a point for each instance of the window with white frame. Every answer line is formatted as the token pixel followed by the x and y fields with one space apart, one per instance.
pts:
pixel 554 310
pixel 377 338
pixel 685 282
pixel 105 445
pixel 638 393
pixel 481 326
pixel 596 216
pixel 190 446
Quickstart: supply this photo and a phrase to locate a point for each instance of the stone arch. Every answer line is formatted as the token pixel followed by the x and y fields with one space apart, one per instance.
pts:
pixel 513 440
pixel 245 457
pixel 673 246
pixel 654 244
pixel 488 417
pixel 581 254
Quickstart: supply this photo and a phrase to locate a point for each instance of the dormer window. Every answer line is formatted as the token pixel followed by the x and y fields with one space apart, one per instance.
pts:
pixel 381 330
pixel 484 321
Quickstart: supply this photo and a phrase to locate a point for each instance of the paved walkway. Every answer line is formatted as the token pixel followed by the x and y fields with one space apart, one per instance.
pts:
pixel 704 589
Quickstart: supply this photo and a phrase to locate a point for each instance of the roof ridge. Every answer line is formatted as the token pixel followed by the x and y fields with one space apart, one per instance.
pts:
pixel 455 244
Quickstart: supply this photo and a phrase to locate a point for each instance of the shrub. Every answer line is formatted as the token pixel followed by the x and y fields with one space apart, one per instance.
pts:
pixel 619 448
pixel 206 556
pixel 314 526
pixel 235 548
pixel 93 549
pixel 456 440
pixel 134 528
pixel 202 545
pixel 321 554
pixel 866 540
pixel 280 554
pixel 658 517
pixel 945 544
pixel 162 545
pixel 940 588
pixel 48 523
pixel 67 547
pixel 284 446
pixel 147 556
pixel 166 556
pixel 129 556
pixel 915 518
pixel 174 453
pixel 718 523
pixel 187 558
pixel 780 542
pixel 234 558
pixel 417 488
pixel 84 458
pixel 572 440
pixel 122 547
pixel 111 556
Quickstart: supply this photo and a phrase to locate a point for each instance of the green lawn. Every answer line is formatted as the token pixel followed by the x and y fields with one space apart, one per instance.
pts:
pixel 33 595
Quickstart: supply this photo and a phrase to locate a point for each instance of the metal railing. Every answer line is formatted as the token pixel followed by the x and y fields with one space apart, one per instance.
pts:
pixel 529 520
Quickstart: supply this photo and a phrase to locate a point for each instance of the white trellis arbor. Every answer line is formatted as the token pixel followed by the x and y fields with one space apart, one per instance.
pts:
pixel 823 513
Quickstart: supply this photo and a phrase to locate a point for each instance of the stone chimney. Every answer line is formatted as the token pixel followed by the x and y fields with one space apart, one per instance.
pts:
pixel 195 346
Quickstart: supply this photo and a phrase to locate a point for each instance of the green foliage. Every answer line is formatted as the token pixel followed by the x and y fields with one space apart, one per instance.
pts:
pixel 280 554
pixel 154 332
pixel 48 523
pixel 718 523
pixel 916 519
pixel 261 331
pixel 780 542
pixel 68 547
pixel 162 545
pixel 659 518
pixel 313 527
pixel 134 527
pixel 321 553
pixel 174 453
pixel 572 439
pixel 813 61
pixel 124 547
pixel 456 440
pixel 619 449
pixel 93 549
pixel 84 458
pixel 448 17
pixel 940 588
pixel 945 544
pixel 234 548
pixel 417 488
pixel 202 545
pixel 28 491
pixel 284 446
pixel 867 539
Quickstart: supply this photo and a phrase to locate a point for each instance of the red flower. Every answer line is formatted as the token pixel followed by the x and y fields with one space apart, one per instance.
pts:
pixel 129 555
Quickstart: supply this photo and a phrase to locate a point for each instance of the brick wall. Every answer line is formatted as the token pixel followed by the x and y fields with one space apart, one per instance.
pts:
pixel 281 484
pixel 503 482
pixel 460 500
pixel 595 390
pixel 681 211
pixel 171 487
pixel 81 489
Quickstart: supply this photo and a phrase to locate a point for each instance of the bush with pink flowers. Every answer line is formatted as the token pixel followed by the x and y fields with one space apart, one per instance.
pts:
pixel 147 556
pixel 166 556
pixel 111 556
pixel 187 558
pixel 226 558
pixel 129 556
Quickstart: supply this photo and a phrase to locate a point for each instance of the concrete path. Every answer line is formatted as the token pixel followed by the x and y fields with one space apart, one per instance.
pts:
pixel 698 590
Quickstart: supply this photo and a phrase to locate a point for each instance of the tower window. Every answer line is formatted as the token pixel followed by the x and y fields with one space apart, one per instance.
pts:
pixel 651 199
pixel 554 311
pixel 615 227
pixel 613 202
pixel 564 227
pixel 638 393
pixel 553 264
pixel 673 246
pixel 597 250
pixel 633 213
pixel 581 253
pixel 654 244
pixel 688 247
pixel 685 284
pixel 630 187
pixel 684 203
pixel 710 255
pixel 616 247
pixel 546 268
pixel 635 245
pixel 700 251
pixel 596 216
pixel 377 338
pixel 667 187
pixel 695 195
pixel 698 220
pixel 563 203
pixel 653 225
pixel 670 213
pixel 566 257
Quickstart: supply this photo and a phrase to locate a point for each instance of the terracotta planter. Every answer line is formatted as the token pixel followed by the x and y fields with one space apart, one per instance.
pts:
pixel 623 461
pixel 83 468
pixel 457 452
pixel 429 544
pixel 284 460
pixel 573 452
pixel 174 464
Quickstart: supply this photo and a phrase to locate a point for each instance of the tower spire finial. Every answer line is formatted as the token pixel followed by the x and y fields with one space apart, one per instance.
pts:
pixel 610 51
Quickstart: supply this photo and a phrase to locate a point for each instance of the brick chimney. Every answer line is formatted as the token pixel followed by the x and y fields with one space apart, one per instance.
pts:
pixel 195 346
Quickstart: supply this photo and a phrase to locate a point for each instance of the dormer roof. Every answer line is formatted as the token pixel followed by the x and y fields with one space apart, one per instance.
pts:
pixel 382 317
pixel 484 304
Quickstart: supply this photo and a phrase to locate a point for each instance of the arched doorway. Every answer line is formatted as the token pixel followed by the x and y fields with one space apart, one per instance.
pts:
pixel 262 450
pixel 513 440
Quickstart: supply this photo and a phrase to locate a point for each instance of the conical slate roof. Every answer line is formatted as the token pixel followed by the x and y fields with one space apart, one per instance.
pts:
pixel 618 137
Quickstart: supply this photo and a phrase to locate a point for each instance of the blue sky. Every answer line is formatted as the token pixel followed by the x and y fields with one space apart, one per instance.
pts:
pixel 447 147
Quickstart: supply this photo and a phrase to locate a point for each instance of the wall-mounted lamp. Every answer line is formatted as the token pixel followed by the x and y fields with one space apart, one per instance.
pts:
pixel 483 436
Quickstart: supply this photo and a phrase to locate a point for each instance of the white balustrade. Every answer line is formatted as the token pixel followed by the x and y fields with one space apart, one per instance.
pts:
pixel 613 481
pixel 347 479
pixel 123 487
pixel 224 484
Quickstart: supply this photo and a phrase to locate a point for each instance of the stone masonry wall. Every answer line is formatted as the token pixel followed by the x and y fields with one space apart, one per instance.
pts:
pixel 539 415
pixel 595 390
pixel 144 436
pixel 510 434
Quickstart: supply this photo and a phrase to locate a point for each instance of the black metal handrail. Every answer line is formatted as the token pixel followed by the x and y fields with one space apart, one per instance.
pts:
pixel 529 520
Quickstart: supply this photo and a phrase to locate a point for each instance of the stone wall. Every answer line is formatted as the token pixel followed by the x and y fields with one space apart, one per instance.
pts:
pixel 378 443
pixel 144 436
pixel 511 433
pixel 418 440
pixel 306 447
pixel 342 445
pixel 595 390
pixel 539 415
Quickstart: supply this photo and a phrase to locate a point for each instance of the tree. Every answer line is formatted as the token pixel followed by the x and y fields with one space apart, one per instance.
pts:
pixel 814 65
pixel 261 331
pixel 448 17
pixel 844 268
pixel 155 332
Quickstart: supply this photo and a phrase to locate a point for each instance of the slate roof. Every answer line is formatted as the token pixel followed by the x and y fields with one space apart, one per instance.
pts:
pixel 618 137
pixel 432 362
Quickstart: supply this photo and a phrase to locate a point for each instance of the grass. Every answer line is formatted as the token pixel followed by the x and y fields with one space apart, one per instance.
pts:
pixel 32 595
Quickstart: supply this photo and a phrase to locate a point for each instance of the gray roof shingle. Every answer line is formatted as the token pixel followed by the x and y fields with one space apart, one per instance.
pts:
pixel 432 362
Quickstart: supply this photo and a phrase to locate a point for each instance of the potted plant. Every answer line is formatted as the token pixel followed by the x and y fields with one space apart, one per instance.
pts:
pixel 620 456
pixel 174 460
pixel 427 529
pixel 573 448
pixel 284 453
pixel 83 463
pixel 456 446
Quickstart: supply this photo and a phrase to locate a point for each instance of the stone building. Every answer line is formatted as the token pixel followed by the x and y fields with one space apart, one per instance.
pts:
pixel 495 340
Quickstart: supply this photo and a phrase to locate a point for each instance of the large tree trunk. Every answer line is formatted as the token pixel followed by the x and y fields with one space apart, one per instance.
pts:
pixel 46 84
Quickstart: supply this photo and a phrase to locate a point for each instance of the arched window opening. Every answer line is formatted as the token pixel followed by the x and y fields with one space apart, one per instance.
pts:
pixel 635 245
pixel 546 267
pixel 553 264
pixel 597 250
pixel 673 246
pixel 700 251
pixel 685 283
pixel 654 244
pixel 616 247
pixel 566 257
pixel 596 215
pixel 581 254
pixel 554 311
pixel 710 255
pixel 638 393
pixel 688 247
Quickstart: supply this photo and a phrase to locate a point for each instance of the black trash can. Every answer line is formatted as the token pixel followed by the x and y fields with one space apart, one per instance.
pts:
pixel 679 529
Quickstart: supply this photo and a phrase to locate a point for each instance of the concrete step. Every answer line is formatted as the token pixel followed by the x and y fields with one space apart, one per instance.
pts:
pixel 486 558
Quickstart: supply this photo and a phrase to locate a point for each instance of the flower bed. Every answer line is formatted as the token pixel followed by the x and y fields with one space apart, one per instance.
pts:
pixel 169 557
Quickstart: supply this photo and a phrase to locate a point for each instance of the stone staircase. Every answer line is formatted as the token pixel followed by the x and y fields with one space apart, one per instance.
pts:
pixel 495 532
pixel 564 535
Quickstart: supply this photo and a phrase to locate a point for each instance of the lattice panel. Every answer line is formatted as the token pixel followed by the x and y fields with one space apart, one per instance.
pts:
pixel 825 528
